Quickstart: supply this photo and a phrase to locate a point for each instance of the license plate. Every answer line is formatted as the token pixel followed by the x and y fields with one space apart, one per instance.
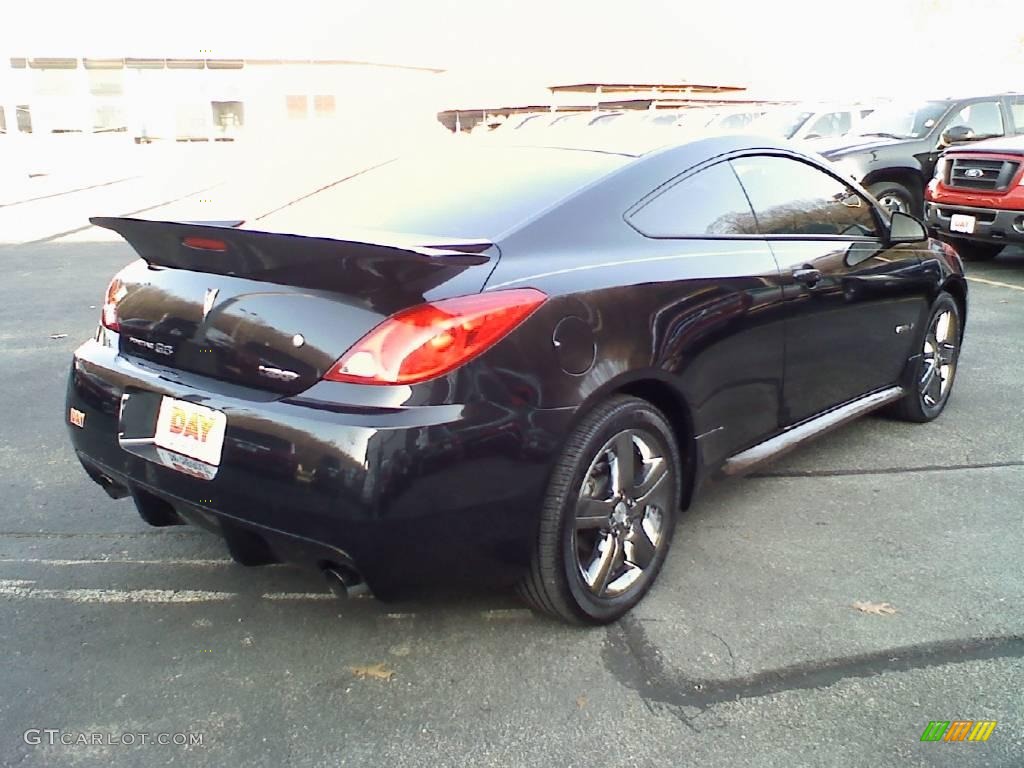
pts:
pixel 193 430
pixel 962 223
pixel 186 464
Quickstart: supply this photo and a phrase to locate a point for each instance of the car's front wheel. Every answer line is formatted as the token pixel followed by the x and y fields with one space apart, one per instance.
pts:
pixel 895 197
pixel 935 369
pixel 608 516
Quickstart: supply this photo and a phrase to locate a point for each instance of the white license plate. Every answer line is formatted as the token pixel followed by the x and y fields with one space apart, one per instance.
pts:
pixel 190 429
pixel 962 223
pixel 186 464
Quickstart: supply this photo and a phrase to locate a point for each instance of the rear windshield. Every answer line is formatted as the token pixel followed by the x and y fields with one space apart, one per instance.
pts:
pixel 469 192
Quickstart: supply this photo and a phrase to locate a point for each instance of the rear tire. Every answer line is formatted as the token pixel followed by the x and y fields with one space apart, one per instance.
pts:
pixel 931 380
pixel 971 250
pixel 606 522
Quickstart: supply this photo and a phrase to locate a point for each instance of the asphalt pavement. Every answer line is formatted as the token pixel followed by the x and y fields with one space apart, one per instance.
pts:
pixel 749 651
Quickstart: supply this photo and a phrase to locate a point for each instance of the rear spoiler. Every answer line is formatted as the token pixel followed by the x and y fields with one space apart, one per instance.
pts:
pixel 354 266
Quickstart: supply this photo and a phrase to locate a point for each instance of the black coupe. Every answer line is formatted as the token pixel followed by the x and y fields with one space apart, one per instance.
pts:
pixel 516 363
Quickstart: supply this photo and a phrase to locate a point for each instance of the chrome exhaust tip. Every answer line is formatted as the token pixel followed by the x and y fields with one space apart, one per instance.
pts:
pixel 345 582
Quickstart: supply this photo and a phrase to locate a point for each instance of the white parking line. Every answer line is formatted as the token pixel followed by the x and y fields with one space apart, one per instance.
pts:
pixel 20 589
pixel 113 561
pixel 508 613
pixel 25 590
pixel 298 596
pixel 995 283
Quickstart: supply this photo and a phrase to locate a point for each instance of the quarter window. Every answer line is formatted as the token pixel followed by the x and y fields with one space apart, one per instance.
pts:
pixel 791 197
pixel 710 202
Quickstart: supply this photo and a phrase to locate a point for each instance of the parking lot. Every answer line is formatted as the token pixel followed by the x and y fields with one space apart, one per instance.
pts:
pixel 748 652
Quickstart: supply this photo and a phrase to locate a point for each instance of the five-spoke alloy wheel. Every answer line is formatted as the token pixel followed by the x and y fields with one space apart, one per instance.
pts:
pixel 936 364
pixel 609 514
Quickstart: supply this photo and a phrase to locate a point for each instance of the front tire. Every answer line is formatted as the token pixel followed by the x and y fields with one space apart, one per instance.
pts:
pixel 608 515
pixel 935 369
pixel 895 197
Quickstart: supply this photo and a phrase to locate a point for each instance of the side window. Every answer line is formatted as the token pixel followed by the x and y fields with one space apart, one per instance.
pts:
pixel 1017 110
pixel 832 124
pixel 710 202
pixel 984 118
pixel 791 197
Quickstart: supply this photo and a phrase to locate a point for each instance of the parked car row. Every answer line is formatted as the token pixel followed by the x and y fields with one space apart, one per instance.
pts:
pixel 972 195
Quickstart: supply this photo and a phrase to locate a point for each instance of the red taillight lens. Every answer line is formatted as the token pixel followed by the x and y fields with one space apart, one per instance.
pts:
pixel 431 339
pixel 115 292
pixel 205 244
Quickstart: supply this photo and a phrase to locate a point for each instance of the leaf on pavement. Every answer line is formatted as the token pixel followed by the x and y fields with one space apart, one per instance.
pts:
pixel 875 609
pixel 373 672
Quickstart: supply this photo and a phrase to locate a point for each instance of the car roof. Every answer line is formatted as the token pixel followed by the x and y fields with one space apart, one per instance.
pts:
pixel 650 139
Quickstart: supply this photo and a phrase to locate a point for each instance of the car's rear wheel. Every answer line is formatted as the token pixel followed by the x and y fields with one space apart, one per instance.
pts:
pixel 895 197
pixel 974 251
pixel 608 516
pixel 935 370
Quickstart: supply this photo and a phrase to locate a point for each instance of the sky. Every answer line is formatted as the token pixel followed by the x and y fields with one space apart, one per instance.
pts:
pixel 789 47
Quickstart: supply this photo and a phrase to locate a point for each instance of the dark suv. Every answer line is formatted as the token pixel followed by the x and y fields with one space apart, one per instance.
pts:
pixel 897 147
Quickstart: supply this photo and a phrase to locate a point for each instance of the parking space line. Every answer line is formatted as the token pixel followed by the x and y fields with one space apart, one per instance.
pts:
pixel 298 596
pixel 995 283
pixel 14 589
pixel 112 561
pixel 508 613
pixel 22 589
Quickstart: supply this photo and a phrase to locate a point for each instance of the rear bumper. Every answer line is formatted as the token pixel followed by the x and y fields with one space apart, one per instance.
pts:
pixel 409 494
pixel 992 225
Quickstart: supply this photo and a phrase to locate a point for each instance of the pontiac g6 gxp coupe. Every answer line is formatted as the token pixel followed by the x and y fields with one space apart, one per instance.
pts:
pixel 517 363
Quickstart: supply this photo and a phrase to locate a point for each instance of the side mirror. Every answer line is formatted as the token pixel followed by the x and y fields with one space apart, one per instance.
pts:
pixel 904 228
pixel 956 133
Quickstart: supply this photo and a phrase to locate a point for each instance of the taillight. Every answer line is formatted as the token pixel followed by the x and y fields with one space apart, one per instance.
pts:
pixel 115 292
pixel 429 340
pixel 205 244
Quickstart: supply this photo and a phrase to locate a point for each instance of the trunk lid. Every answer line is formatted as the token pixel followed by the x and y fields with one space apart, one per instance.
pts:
pixel 274 311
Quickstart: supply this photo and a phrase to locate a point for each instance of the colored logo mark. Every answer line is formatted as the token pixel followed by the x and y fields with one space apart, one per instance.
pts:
pixel 958 730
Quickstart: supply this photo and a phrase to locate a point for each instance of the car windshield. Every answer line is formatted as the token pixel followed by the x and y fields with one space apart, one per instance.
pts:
pixel 903 121
pixel 780 122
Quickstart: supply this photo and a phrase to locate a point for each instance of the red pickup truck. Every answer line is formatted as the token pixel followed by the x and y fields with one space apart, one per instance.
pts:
pixel 976 199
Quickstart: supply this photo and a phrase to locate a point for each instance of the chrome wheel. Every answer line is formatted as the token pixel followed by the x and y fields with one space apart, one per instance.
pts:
pixel 621 512
pixel 939 360
pixel 894 203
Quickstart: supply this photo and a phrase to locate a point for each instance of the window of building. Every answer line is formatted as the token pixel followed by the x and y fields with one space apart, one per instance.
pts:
pixel 106 82
pixel 298 107
pixel 323 105
pixel 23 118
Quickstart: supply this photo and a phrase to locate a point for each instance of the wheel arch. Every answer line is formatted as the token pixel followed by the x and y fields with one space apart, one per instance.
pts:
pixel 911 178
pixel 956 287
pixel 667 399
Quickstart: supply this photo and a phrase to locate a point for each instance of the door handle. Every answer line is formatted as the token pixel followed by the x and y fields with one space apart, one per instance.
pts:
pixel 807 275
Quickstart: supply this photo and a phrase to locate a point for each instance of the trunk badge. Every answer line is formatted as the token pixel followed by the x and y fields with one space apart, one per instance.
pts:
pixel 208 300
pixel 298 340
